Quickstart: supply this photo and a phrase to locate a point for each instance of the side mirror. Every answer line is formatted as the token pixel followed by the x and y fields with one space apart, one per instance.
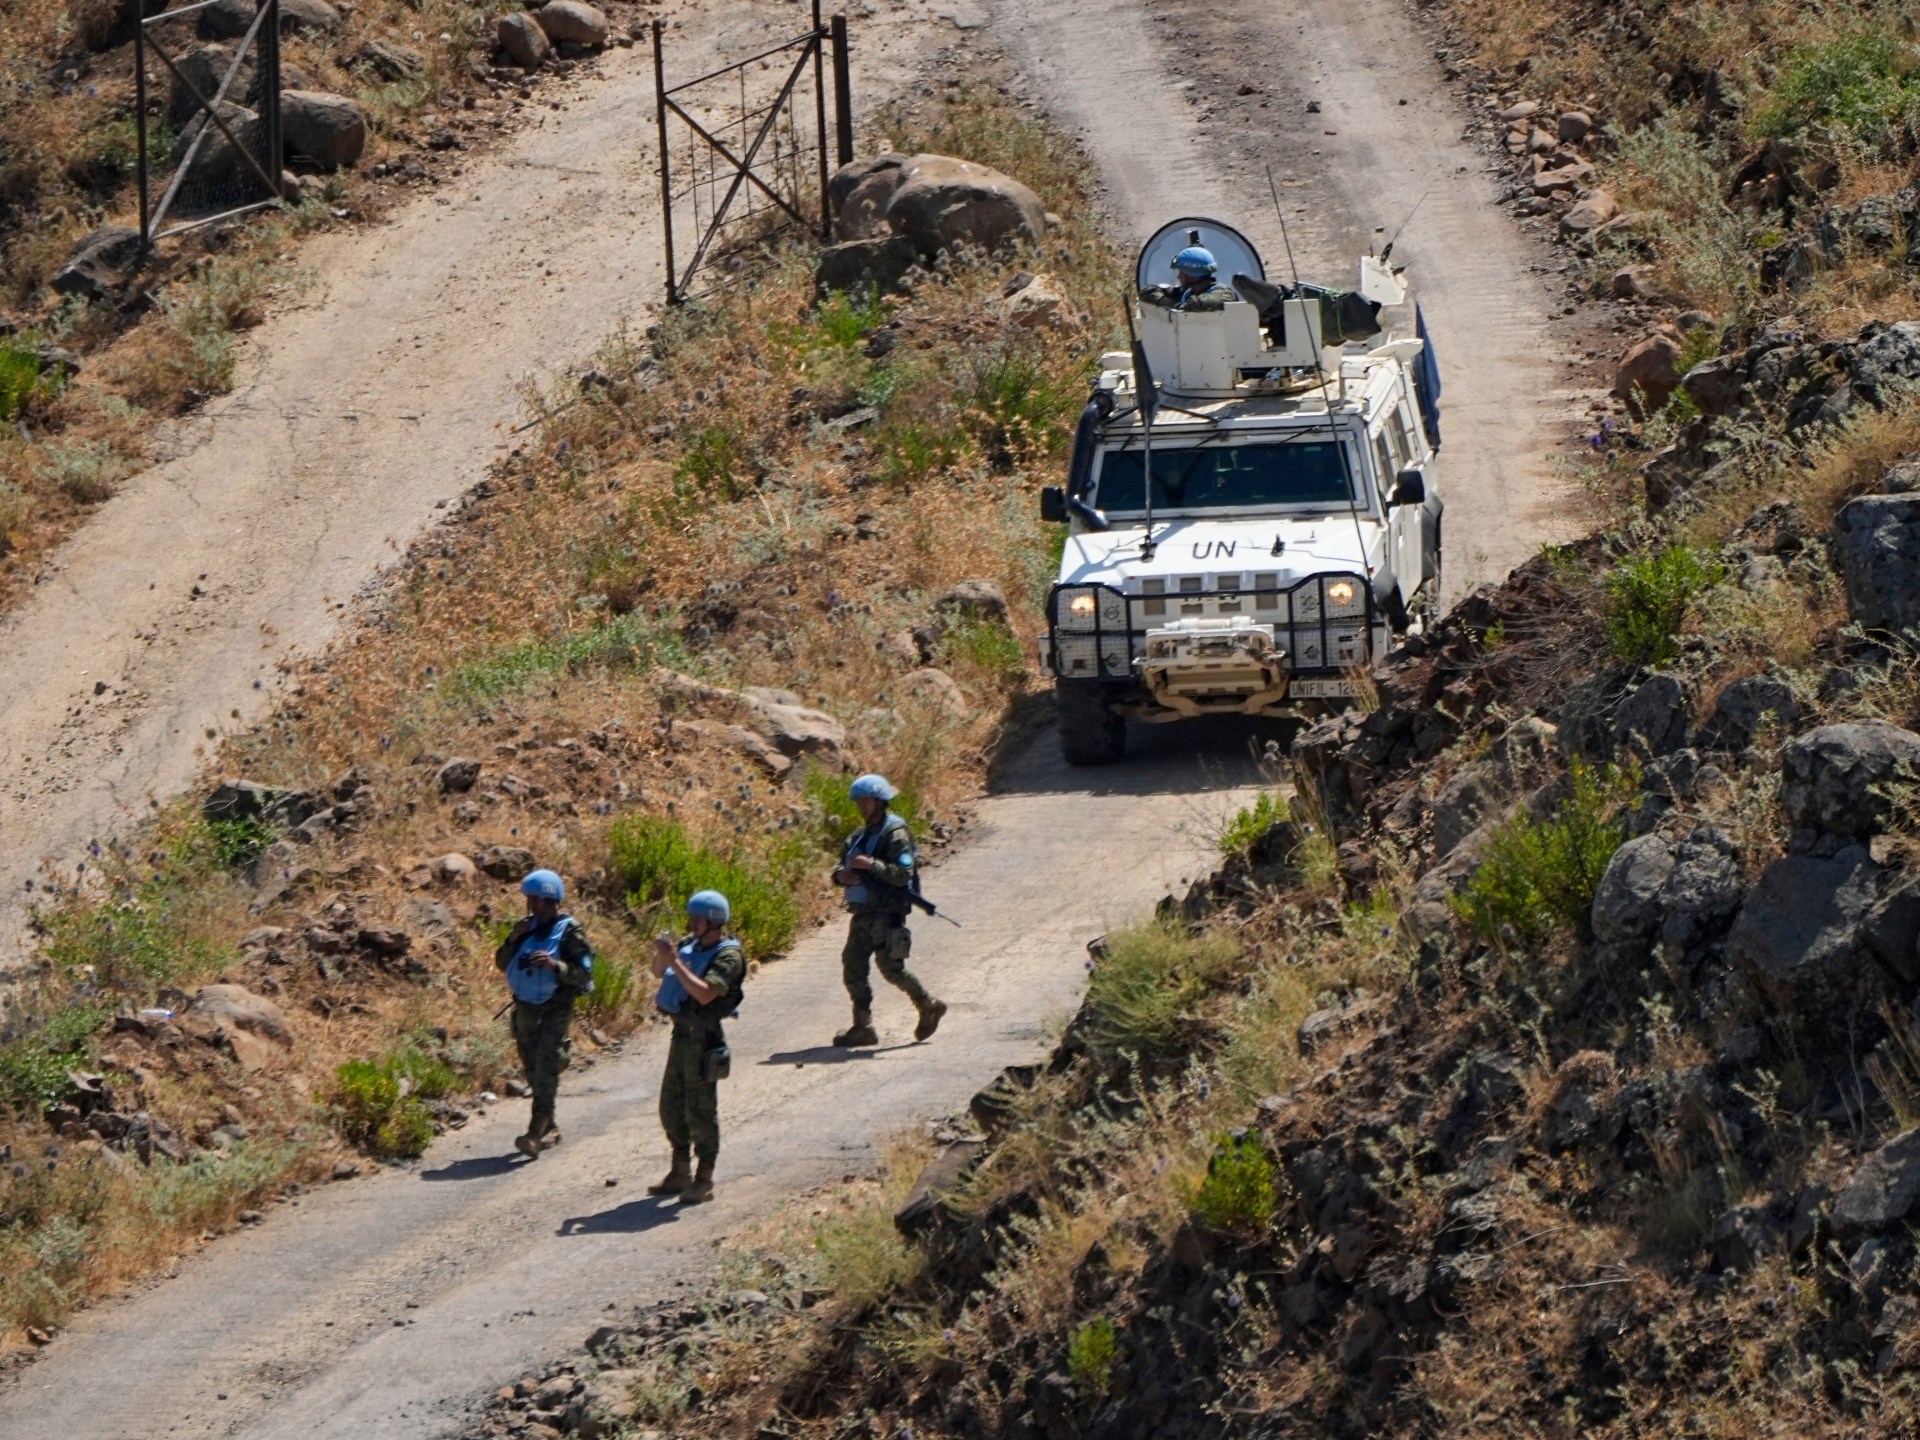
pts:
pixel 1409 488
pixel 1053 504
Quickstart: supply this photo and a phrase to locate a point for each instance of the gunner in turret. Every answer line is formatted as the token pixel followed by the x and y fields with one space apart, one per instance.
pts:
pixel 1198 286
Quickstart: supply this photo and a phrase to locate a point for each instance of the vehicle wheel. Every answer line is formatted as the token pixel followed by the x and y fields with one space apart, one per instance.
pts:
pixel 1398 617
pixel 1091 731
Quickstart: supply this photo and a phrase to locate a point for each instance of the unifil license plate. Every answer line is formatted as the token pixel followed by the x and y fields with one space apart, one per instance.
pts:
pixel 1334 688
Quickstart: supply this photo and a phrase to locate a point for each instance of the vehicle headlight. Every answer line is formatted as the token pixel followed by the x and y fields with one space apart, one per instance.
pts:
pixel 1081 607
pixel 1087 607
pixel 1341 592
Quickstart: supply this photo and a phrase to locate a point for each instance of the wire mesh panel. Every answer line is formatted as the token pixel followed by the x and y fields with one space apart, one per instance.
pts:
pixel 208 115
pixel 744 155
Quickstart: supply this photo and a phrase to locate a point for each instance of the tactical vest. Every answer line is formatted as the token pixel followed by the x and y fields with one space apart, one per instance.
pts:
pixel 673 995
pixel 869 892
pixel 532 985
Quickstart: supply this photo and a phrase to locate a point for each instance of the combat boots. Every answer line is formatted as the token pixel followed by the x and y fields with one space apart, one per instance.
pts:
pixel 676 1179
pixel 861 1032
pixel 930 1015
pixel 540 1134
pixel 701 1190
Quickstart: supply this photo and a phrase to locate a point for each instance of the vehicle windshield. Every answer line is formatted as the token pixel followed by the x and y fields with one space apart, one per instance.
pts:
pixel 1220 477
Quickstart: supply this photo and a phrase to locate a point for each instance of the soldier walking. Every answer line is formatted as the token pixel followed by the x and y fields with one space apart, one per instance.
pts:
pixel 877 873
pixel 549 965
pixel 700 980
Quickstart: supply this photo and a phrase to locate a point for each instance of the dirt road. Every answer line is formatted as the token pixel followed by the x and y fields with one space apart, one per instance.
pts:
pixel 307 1328
pixel 384 394
pixel 1153 88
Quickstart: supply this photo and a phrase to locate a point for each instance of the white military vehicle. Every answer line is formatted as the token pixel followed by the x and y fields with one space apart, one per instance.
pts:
pixel 1252 519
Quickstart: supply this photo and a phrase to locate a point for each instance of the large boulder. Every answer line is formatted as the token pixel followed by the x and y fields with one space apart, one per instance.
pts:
pixel 391 60
pixel 879 261
pixel 315 17
pixel 1798 934
pixel 328 130
pixel 1678 892
pixel 202 71
pixel 217 160
pixel 250 800
pixel 1653 718
pixel 573 20
pixel 100 264
pixel 252 1027
pixel 941 202
pixel 792 728
pixel 226 19
pixel 1747 705
pixel 975 600
pixel 524 42
pixel 1833 780
pixel 1882 1191
pixel 1648 374
pixel 1876 542
pixel 861 192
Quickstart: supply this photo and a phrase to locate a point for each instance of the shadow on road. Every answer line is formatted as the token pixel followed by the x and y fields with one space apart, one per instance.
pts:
pixel 629 1219
pixel 478 1168
pixel 831 1054
pixel 1192 757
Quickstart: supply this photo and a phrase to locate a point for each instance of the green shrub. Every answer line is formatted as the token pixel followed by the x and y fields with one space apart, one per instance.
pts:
pixel 1649 597
pixel 843 320
pixel 376 1114
pixel 1250 826
pixel 1145 992
pixel 612 989
pixel 143 930
pixel 715 463
pixel 1538 876
pixel 21 378
pixel 1859 87
pixel 861 1257
pixel 1092 1350
pixel 1238 1192
pixel 238 842
pixel 33 1069
pixel 913 451
pixel 658 865
pixel 988 646
pixel 627 642
pixel 1018 406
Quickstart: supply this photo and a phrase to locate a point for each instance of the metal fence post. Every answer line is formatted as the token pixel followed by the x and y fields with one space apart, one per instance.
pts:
pixel 666 163
pixel 820 126
pixel 842 91
pixel 140 127
pixel 270 43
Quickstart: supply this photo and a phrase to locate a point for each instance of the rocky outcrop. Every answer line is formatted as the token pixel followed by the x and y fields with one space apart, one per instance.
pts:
pixel 937 202
pixel 574 21
pixel 1833 780
pixel 522 39
pixel 329 131
pixel 1798 934
pixel 100 264
pixel 1876 544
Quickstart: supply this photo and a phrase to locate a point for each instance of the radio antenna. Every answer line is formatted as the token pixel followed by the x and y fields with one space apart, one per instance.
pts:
pixel 1388 252
pixel 1326 397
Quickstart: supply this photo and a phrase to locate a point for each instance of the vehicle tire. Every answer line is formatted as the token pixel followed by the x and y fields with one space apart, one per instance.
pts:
pixel 1091 731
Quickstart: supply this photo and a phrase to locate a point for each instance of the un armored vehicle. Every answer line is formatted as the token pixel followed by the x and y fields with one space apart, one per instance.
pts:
pixel 1252 512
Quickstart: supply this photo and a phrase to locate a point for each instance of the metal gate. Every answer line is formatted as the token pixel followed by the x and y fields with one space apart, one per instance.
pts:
pixel 753 165
pixel 215 145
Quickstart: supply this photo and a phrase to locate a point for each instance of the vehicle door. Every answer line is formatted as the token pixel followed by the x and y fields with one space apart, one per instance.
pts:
pixel 1408 525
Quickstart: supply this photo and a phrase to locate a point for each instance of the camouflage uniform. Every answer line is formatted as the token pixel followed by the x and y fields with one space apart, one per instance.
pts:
pixel 877 931
pixel 689 1101
pixel 540 1031
pixel 1211 296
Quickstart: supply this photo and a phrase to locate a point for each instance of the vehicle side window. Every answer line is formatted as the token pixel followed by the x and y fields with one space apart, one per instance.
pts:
pixel 1383 462
pixel 1409 436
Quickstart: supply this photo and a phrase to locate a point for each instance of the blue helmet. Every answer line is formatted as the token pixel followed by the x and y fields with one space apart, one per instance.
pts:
pixel 872 787
pixel 544 885
pixel 1195 260
pixel 709 905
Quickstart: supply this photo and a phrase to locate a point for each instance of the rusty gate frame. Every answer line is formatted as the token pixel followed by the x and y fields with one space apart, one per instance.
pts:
pixel 825 36
pixel 266 30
